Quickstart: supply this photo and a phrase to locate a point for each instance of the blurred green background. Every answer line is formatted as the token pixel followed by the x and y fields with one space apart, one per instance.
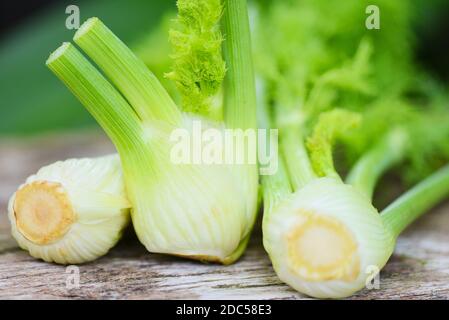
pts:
pixel 33 100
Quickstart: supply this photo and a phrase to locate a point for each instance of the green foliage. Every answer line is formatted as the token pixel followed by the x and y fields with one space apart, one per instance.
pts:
pixel 298 41
pixel 198 68
pixel 426 122
pixel 316 56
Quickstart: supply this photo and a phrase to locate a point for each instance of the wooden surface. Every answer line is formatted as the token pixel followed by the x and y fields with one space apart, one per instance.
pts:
pixel 419 268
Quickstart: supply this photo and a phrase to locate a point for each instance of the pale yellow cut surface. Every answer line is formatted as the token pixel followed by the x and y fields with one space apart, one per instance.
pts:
pixel 43 212
pixel 322 248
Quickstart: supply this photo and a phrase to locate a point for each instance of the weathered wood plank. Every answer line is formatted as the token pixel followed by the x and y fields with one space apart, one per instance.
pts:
pixel 419 268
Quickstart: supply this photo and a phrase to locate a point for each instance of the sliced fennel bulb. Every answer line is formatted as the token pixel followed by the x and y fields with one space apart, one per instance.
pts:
pixel 204 212
pixel 71 211
pixel 324 239
pixel 323 235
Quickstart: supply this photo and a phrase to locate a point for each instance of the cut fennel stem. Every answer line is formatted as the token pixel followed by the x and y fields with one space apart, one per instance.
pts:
pixel 325 238
pixel 203 212
pixel 71 211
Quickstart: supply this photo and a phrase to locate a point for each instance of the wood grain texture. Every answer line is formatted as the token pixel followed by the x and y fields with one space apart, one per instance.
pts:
pixel 419 269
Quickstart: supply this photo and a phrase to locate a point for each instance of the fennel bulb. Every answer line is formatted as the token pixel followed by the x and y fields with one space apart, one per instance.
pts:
pixel 71 211
pixel 199 211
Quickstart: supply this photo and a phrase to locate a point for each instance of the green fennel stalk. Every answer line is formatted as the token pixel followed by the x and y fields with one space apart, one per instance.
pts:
pixel 411 205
